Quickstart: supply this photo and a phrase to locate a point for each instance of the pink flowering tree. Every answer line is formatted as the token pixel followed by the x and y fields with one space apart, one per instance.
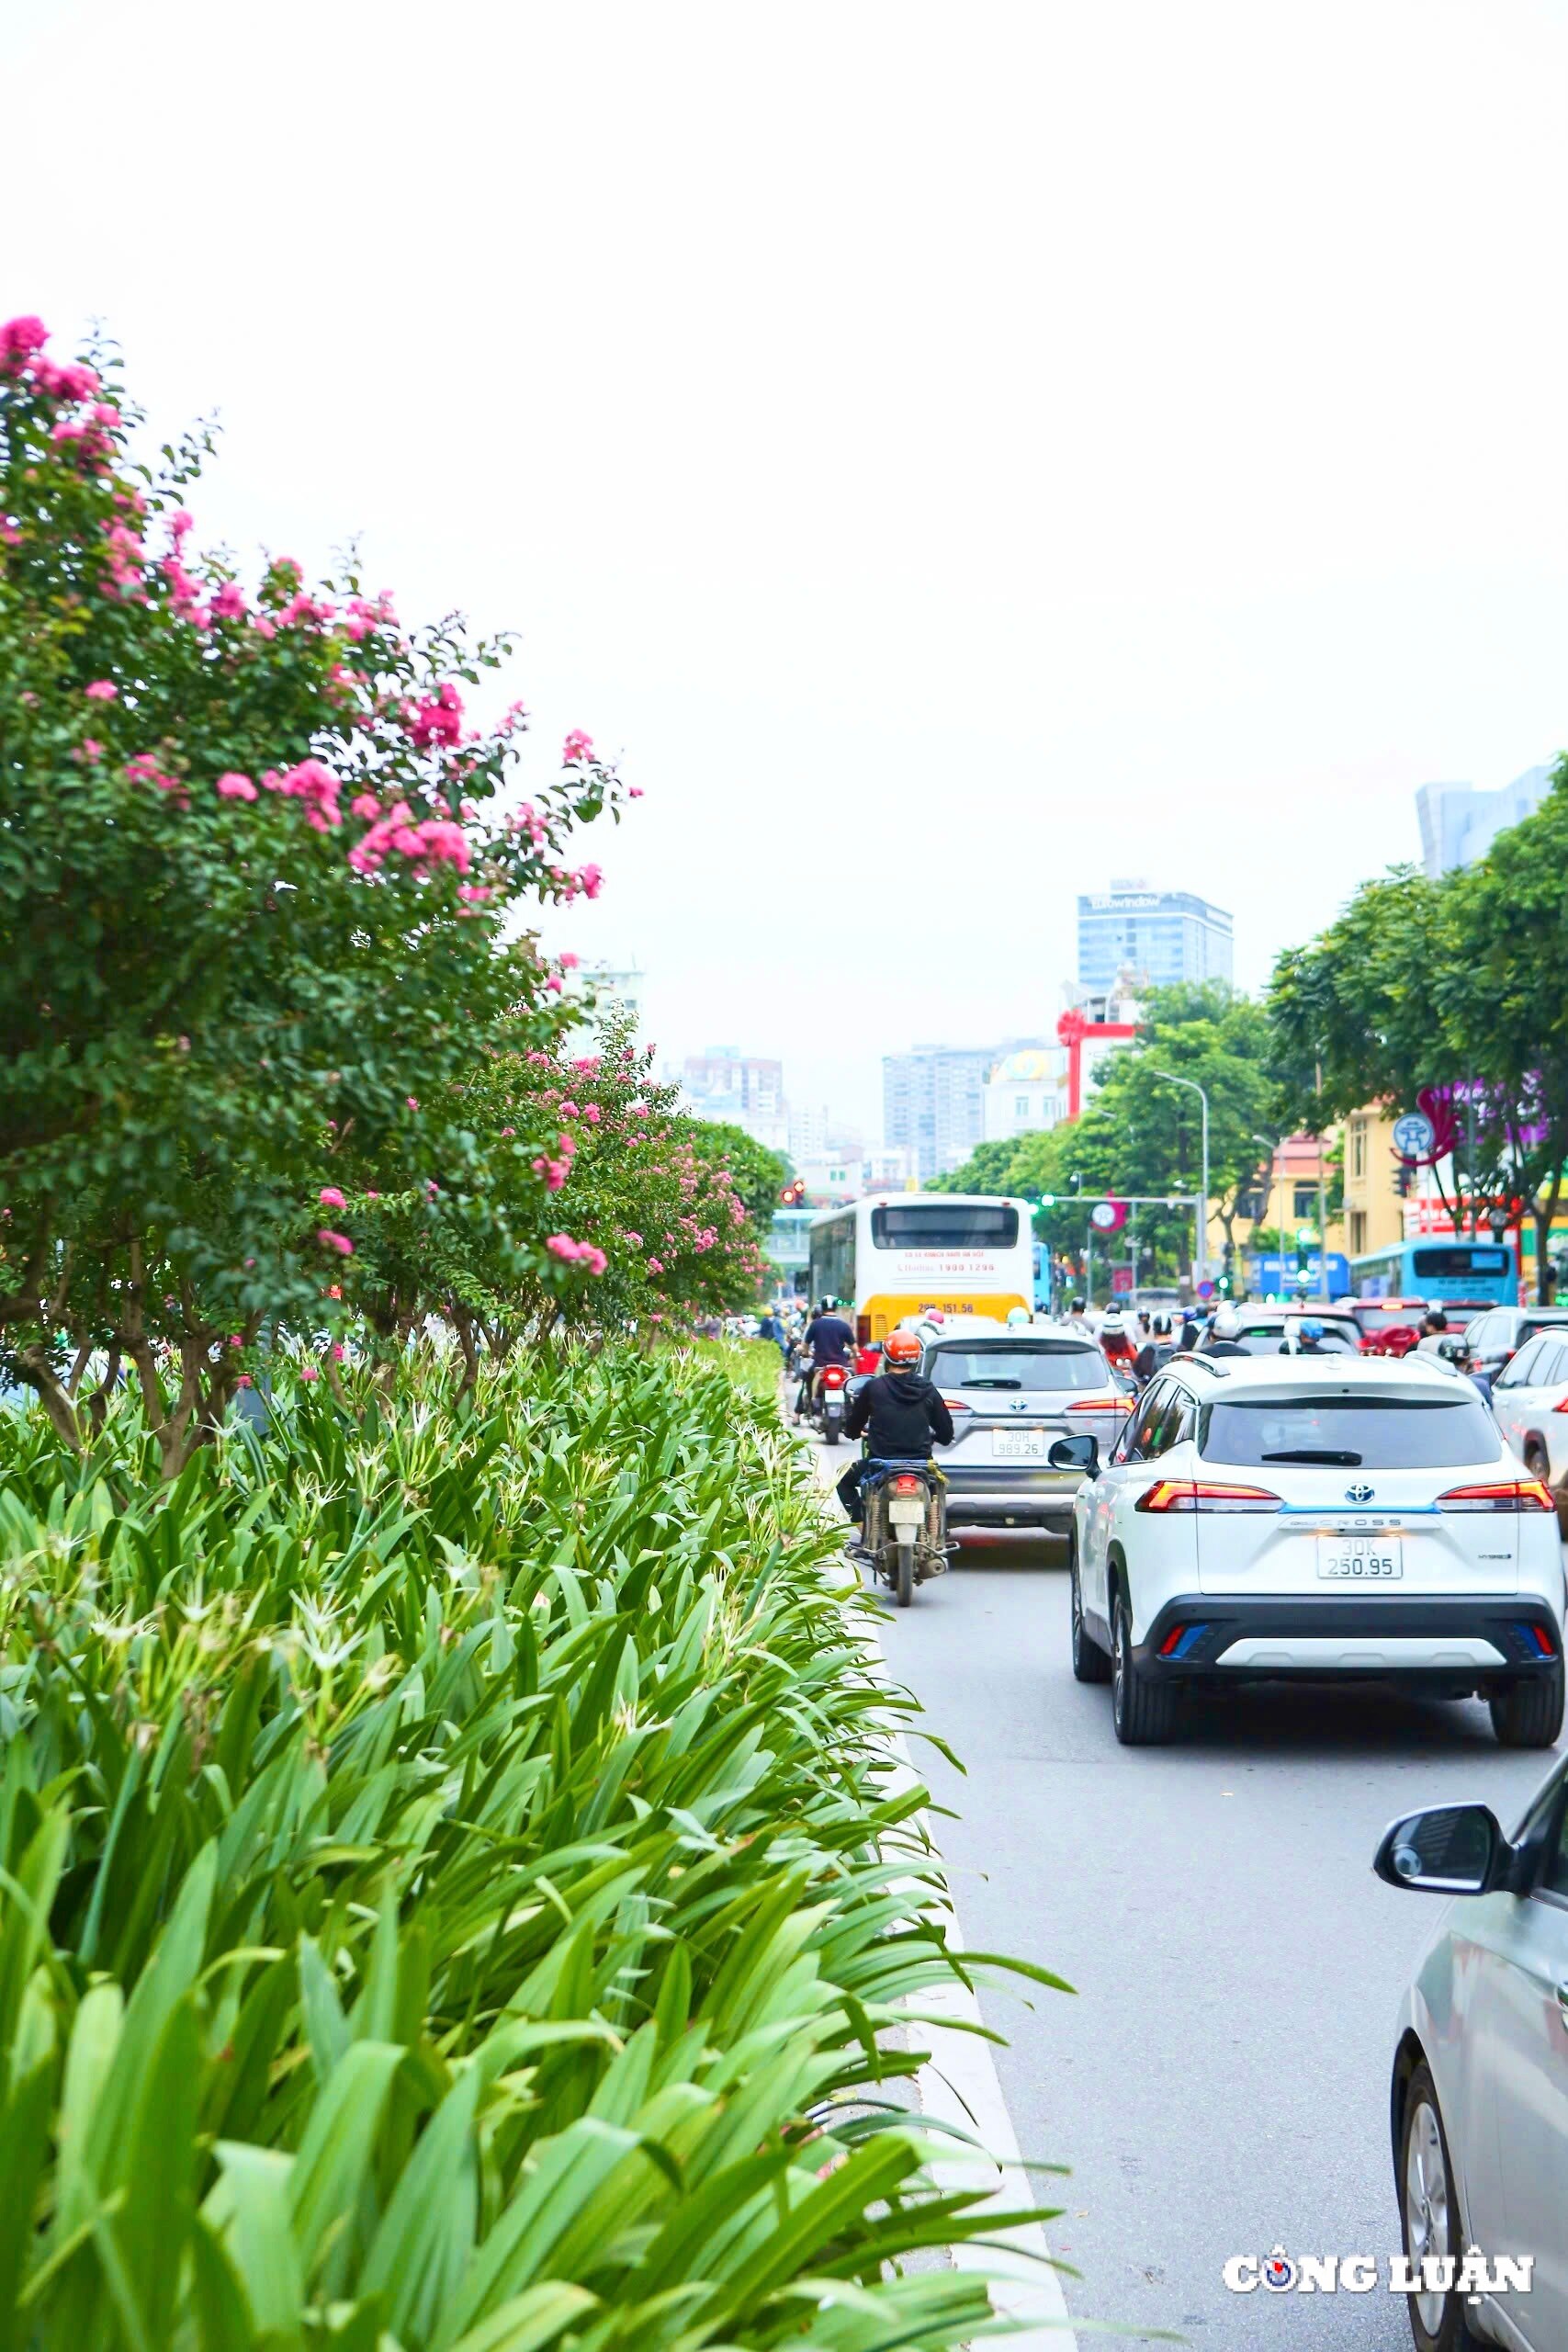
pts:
pixel 260 891
pixel 600 1207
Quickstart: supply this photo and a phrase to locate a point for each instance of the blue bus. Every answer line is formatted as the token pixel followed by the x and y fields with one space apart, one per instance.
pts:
pixel 1470 1270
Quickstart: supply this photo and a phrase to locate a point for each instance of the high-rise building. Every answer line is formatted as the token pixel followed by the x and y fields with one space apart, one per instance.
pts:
pixel 1460 824
pixel 933 1103
pixel 1155 937
pixel 616 991
pixel 745 1089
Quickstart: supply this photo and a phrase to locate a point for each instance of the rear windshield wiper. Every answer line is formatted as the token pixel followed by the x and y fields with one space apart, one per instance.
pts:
pixel 1316 1453
pixel 991 1384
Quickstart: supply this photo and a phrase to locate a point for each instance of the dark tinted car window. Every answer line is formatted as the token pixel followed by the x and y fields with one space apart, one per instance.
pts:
pixel 1347 1433
pixel 1001 1366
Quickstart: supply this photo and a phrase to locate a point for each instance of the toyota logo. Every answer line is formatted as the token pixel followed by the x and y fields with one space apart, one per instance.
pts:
pixel 1359 1493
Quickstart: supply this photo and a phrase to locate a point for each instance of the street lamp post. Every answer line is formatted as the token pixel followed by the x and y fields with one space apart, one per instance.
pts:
pixel 1201 1271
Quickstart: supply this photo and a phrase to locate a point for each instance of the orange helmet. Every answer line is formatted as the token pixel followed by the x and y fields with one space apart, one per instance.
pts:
pixel 901 1347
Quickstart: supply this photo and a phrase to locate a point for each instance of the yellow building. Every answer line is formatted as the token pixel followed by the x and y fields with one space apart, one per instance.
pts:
pixel 1374 1212
pixel 1286 1195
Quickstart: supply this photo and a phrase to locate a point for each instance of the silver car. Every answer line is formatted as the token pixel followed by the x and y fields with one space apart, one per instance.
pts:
pixel 1012 1393
pixel 1480 2092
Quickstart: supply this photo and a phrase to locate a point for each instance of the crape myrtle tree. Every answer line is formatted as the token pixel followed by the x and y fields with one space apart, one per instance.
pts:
pixel 633 1202
pixel 255 885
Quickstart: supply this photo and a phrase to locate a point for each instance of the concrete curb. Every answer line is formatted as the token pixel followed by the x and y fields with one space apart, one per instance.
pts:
pixel 958 2086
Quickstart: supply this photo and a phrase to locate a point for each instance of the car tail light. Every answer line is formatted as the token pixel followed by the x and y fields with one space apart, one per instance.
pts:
pixel 956 1404
pixel 906 1486
pixel 1514 1494
pixel 1561 1406
pixel 1540 1637
pixel 1098 1405
pixel 1201 1494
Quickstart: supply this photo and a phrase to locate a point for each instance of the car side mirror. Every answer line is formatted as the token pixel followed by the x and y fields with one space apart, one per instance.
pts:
pixel 1448 1849
pixel 1080 1452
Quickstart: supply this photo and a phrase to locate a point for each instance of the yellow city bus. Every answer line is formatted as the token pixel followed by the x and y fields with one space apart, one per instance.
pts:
pixel 887 1258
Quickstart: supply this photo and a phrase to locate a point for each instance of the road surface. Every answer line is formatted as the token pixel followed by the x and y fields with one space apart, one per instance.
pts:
pixel 1219 2081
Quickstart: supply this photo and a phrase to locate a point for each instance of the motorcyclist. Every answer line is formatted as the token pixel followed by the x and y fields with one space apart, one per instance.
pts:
pixel 1156 1351
pixel 1113 1338
pixel 1017 1316
pixel 828 1340
pixel 1221 1339
pixel 1306 1340
pixel 1076 1319
pixel 1434 1323
pixel 898 1414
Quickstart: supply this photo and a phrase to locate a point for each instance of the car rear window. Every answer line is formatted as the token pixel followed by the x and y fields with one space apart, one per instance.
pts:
pixel 1347 1433
pixel 1266 1339
pixel 1046 1367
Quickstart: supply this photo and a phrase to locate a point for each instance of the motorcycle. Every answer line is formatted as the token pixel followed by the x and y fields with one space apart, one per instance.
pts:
pixel 904 1537
pixel 829 1401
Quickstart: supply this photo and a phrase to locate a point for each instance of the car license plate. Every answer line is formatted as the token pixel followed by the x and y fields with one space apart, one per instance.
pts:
pixel 1019 1445
pixel 907 1510
pixel 1361 1559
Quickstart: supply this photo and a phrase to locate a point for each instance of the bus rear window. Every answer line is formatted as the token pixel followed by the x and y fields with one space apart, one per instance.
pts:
pixel 936 1224
pixel 1455 1263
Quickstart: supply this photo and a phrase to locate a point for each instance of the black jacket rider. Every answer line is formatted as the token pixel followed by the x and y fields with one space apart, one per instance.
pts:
pixel 900 1414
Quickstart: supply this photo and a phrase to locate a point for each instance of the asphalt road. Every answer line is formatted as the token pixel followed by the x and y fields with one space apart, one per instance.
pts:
pixel 1218 2083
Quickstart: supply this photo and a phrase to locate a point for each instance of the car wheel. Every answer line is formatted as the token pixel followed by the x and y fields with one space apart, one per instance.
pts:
pixel 1428 2207
pixel 1530 1714
pixel 1089 1661
pixel 1142 1711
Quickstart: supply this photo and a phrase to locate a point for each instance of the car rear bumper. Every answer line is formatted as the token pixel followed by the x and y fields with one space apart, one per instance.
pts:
pixel 1446 1638
pixel 981 1497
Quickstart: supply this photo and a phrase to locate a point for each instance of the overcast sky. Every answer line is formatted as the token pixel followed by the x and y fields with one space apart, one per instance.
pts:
pixel 953 454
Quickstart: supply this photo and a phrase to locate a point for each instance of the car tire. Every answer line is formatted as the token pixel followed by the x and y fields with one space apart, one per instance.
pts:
pixel 1143 1712
pixel 1530 1714
pixel 1429 2217
pixel 1089 1661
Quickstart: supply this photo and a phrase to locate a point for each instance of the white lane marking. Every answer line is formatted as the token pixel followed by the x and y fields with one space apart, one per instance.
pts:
pixel 958 2086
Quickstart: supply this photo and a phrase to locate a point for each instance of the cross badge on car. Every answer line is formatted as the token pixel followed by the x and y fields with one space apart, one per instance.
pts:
pixel 1359 1493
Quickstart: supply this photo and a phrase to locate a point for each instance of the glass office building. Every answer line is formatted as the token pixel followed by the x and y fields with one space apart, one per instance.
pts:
pixel 1159 936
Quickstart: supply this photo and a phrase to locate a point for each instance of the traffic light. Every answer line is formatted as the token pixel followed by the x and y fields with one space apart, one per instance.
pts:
pixel 1304 1239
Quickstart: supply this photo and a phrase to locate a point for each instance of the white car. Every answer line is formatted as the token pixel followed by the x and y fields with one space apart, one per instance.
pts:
pixel 1479 2105
pixel 1530 1400
pixel 1287 1516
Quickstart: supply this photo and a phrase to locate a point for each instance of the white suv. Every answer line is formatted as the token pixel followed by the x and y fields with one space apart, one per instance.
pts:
pixel 1349 1518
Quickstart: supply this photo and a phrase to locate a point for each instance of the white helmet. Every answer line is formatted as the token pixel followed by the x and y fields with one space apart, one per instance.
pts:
pixel 1225 1323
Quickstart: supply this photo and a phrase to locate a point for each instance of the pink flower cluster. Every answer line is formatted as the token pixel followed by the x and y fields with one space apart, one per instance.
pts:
pixel 561 1245
pixel 316 785
pixel 144 769
pixel 338 1241
pixel 233 787
pixel 577 748
pixel 439 720
pixel 21 354
pixel 430 841
pixel 556 1172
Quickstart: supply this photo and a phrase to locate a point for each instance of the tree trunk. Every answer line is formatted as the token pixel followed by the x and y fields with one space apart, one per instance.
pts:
pixel 463 1324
